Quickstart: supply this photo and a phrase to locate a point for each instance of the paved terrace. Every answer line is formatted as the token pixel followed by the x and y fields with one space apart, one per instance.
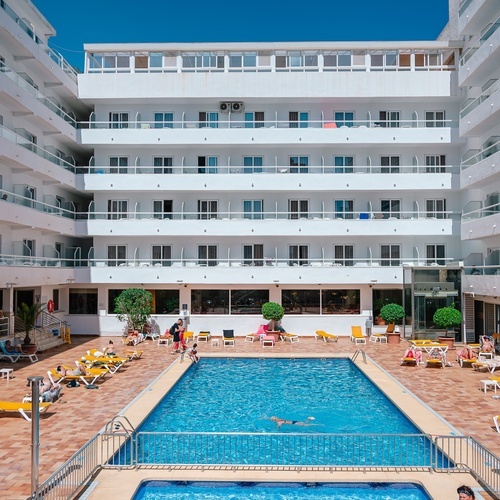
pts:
pixel 453 392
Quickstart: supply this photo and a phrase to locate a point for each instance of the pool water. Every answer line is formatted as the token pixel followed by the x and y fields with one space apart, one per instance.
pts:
pixel 239 395
pixel 164 490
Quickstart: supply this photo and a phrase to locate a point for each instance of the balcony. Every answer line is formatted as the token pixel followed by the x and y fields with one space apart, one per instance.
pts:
pixel 475 14
pixel 481 222
pixel 479 167
pixel 482 113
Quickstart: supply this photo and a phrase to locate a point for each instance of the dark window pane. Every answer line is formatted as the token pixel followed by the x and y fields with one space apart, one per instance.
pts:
pixel 340 301
pixel 83 301
pixel 301 301
pixel 248 301
pixel 210 301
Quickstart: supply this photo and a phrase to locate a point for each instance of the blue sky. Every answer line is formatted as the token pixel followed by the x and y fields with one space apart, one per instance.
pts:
pixel 102 21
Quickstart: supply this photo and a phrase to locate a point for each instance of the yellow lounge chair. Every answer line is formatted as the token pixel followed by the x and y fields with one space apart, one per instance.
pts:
pixel 133 354
pixel 378 337
pixel 357 335
pixel 104 357
pixel 188 336
pixel 496 419
pixel 92 362
pixel 325 337
pixel 22 408
pixel 56 377
pixel 291 337
pixel 203 336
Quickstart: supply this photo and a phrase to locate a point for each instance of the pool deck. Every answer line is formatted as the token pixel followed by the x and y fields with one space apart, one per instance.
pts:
pixel 453 392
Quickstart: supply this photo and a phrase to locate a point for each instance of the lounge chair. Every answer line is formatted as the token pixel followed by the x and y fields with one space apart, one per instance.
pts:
pixel 133 354
pixel 22 408
pixel 13 357
pixel 436 357
pixel 412 356
pixel 291 337
pixel 325 337
pixel 496 419
pixel 106 358
pixel 188 336
pixel 257 335
pixel 203 336
pixel 357 335
pixel 378 337
pixel 94 362
pixel 56 377
pixel 227 337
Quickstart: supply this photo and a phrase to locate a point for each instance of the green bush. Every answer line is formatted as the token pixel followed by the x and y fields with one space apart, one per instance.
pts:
pixel 392 313
pixel 447 317
pixel 134 306
pixel 272 311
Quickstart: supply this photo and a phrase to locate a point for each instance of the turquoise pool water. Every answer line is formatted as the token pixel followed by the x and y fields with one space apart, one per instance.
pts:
pixel 239 395
pixel 163 490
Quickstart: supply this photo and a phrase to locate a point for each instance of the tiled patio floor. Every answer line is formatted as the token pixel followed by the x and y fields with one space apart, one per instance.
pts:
pixel 453 392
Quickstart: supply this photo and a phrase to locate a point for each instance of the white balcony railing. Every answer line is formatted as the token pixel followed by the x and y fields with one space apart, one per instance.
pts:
pixel 474 103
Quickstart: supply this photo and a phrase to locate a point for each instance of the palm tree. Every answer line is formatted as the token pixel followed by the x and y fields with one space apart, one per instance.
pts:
pixel 28 315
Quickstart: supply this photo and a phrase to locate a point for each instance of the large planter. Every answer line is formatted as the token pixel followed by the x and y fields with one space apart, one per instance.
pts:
pixel 28 348
pixel 448 341
pixel 393 338
pixel 276 335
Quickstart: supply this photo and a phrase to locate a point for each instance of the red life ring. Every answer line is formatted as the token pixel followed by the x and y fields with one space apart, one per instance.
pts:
pixel 50 306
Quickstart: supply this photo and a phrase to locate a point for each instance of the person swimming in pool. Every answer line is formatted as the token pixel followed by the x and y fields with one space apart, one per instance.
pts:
pixel 283 421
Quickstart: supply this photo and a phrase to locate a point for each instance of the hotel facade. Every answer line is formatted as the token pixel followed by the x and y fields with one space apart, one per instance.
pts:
pixel 332 178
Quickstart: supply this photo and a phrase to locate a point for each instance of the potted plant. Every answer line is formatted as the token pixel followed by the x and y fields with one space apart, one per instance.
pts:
pixel 273 312
pixel 447 317
pixel 134 306
pixel 392 314
pixel 27 316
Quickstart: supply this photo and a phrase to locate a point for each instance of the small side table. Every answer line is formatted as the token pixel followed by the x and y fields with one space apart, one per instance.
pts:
pixel 6 372
pixel 216 341
pixel 268 341
pixel 487 383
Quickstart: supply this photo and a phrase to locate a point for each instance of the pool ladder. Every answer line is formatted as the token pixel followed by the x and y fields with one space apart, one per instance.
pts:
pixel 363 353
pixel 119 424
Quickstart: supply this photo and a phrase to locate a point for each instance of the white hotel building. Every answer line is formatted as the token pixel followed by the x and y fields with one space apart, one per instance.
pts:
pixel 329 177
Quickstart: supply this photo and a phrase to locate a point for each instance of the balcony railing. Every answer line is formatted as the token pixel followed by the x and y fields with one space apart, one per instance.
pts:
pixel 10 197
pixel 473 104
pixel 28 87
pixel 469 161
pixel 268 169
pixel 234 215
pixel 236 124
pixel 28 28
pixel 479 213
pixel 31 146
pixel 178 262
pixel 463 6
pixel 493 27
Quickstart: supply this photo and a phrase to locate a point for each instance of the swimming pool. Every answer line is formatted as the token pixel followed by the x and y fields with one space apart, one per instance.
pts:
pixel 239 395
pixel 165 490
pixel 218 414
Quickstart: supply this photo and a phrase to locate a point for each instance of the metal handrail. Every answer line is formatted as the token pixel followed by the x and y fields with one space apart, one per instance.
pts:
pixel 114 449
pixel 474 103
pixel 39 206
pixel 481 155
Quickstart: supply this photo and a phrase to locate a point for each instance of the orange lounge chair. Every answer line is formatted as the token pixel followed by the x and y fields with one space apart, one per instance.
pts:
pixel 325 337
pixel 357 335
pixel 22 408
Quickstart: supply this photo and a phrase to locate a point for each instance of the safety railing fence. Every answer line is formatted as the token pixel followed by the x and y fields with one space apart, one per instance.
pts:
pixel 118 448
pixel 267 169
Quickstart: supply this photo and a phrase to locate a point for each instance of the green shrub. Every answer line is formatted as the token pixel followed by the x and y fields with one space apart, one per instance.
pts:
pixel 447 317
pixel 392 313
pixel 134 306
pixel 272 311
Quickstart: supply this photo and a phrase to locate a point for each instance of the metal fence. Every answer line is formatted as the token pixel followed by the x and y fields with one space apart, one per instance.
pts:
pixel 396 452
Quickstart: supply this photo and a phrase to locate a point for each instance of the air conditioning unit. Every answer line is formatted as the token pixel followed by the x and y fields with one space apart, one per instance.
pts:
pixel 237 107
pixel 225 107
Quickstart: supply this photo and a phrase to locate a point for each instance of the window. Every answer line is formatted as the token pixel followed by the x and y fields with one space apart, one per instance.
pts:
pixel 165 301
pixel 118 165
pixel 162 209
pixel 301 301
pixel 207 164
pixel 344 118
pixel 299 164
pixel 207 255
pixel 383 297
pixel 390 255
pixel 118 120
pixel 252 164
pixel 83 301
pixel 389 119
pixel 391 208
pixel 55 298
pixel 344 255
pixel 208 119
pixel 248 301
pixel 117 254
pixel 435 209
pixel 243 59
pixel 298 209
pixel 202 60
pixel 340 301
pixel 435 163
pixel 435 254
pixel 390 164
pixel 344 209
pixel 384 60
pixel 298 255
pixel 253 255
pixel 254 119
pixel 164 120
pixel 162 164
pixel 298 119
pixel 117 209
pixel 161 255
pixel 252 209
pixel 344 58
pixel 210 301
pixel 207 209
pixel 343 164
pixel 435 119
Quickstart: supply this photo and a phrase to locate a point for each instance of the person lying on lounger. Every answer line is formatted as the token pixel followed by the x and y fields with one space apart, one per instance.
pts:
pixel 283 421
pixel 80 370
